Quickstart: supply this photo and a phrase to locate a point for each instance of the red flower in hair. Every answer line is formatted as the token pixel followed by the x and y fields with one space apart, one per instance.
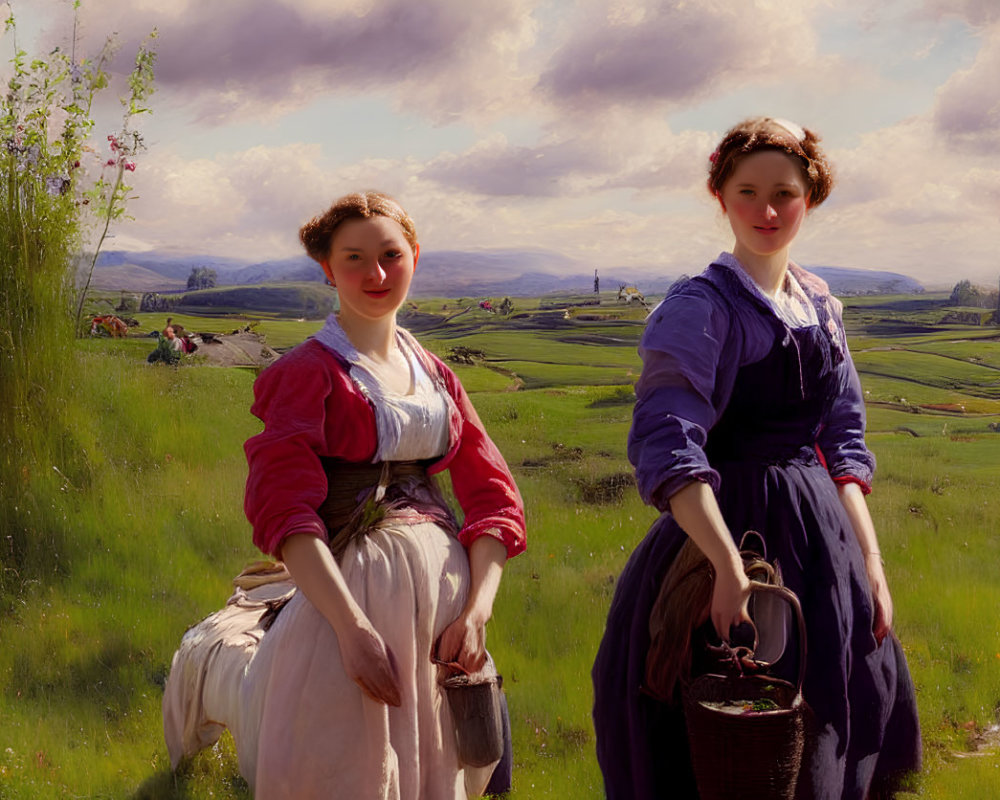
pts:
pixel 714 156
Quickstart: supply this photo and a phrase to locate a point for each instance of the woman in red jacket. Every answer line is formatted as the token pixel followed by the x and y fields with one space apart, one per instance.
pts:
pixel 341 697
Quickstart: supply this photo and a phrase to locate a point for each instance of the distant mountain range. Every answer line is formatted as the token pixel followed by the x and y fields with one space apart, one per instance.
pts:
pixel 449 273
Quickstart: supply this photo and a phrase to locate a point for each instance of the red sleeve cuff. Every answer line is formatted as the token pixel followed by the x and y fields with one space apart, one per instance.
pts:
pixel 271 544
pixel 841 480
pixel 509 536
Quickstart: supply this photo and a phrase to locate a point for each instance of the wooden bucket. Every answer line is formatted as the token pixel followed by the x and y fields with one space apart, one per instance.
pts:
pixel 475 709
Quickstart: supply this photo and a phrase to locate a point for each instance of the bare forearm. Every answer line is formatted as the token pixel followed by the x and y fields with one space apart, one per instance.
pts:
pixel 697 512
pixel 853 500
pixel 487 557
pixel 316 574
pixel 464 640
pixel 367 659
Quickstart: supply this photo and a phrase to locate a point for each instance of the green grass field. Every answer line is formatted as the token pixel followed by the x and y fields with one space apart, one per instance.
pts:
pixel 152 531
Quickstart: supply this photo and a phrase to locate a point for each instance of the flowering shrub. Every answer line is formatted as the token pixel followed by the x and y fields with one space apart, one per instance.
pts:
pixel 48 191
pixel 55 189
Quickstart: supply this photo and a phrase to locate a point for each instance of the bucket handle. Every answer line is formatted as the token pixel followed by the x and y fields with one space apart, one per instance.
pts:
pixel 789 597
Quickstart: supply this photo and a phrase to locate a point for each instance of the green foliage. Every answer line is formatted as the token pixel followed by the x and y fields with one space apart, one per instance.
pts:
pixel 966 294
pixel 110 195
pixel 164 353
pixel 158 486
pixel 45 123
pixel 154 537
pixel 202 278
pixel 39 231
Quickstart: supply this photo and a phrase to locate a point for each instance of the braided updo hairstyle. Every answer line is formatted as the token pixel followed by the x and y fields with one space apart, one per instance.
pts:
pixel 317 234
pixel 768 133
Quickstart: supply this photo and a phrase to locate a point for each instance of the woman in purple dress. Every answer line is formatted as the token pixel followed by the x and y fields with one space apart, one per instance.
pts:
pixel 749 416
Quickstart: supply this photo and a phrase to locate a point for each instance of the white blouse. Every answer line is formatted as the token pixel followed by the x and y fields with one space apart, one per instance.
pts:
pixel 411 426
pixel 790 303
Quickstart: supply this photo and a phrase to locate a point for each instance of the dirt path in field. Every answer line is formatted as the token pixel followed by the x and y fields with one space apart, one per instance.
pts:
pixel 236 350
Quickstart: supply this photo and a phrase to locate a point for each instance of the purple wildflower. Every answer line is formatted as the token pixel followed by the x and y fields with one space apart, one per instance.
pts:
pixel 56 185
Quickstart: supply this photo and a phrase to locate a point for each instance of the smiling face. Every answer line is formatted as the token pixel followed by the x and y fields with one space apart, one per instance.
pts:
pixel 765 200
pixel 371 263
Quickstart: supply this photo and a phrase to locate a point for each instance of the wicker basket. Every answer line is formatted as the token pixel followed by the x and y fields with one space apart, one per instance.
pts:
pixel 754 756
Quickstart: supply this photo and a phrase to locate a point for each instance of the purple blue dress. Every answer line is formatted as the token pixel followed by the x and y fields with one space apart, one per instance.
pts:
pixel 734 395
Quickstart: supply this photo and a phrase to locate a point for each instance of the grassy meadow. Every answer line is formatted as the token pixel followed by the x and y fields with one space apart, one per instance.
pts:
pixel 141 530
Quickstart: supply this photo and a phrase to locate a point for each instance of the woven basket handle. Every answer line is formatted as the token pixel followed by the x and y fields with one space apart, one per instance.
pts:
pixel 789 597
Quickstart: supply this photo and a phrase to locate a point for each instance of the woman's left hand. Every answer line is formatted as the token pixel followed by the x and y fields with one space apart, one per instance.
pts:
pixel 464 642
pixel 853 499
pixel 880 596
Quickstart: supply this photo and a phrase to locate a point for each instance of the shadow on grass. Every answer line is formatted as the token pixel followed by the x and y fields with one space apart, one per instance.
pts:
pixel 168 785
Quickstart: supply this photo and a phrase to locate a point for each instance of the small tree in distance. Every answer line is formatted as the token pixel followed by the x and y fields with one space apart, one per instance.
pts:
pixel 202 278
pixel 965 293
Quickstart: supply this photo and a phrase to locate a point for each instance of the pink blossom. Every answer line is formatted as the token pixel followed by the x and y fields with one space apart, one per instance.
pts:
pixel 110 162
pixel 130 166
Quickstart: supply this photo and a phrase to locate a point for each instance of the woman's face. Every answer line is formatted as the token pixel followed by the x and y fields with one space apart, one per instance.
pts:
pixel 371 263
pixel 765 200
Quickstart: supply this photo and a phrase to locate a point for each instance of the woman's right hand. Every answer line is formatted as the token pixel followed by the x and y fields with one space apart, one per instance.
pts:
pixel 729 599
pixel 369 662
pixel 696 510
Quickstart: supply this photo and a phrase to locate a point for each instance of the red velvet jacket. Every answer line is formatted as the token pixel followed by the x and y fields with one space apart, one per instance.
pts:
pixel 311 408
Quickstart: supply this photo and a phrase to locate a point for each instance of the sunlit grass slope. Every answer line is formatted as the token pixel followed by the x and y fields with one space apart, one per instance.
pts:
pixel 152 532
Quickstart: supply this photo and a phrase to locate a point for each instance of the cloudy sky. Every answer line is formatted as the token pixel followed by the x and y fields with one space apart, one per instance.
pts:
pixel 580 127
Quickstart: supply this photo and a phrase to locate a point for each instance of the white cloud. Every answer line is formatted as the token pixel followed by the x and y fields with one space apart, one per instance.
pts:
pixel 676 51
pixel 906 201
pixel 967 110
pixel 590 122
pixel 258 59
pixel 613 149
pixel 975 12
pixel 248 203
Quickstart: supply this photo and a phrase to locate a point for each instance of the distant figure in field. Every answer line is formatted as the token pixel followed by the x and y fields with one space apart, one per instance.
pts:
pixel 328 675
pixel 110 324
pixel 178 329
pixel 749 416
pixel 173 340
pixel 168 348
pixel 597 283
pixel 629 294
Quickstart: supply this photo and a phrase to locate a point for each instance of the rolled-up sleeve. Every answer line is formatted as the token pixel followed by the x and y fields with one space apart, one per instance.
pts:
pixel 483 484
pixel 286 482
pixel 685 383
pixel 841 439
pixel 310 409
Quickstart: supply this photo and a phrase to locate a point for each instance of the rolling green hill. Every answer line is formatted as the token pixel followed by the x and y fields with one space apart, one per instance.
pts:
pixel 300 300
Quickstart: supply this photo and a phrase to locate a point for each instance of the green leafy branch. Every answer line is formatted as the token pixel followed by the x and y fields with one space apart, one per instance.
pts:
pixel 110 195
